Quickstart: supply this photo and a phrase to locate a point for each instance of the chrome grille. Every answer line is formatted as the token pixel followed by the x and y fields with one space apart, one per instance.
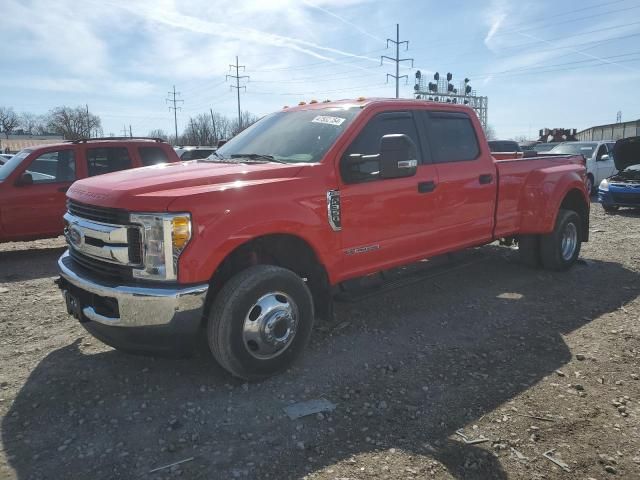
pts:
pixel 102 240
pixel 113 216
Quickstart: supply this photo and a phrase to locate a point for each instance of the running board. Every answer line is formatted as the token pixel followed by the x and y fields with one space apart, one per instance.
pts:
pixel 373 285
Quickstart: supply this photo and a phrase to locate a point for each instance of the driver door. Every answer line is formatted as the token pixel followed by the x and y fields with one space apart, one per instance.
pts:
pixel 36 209
pixel 385 222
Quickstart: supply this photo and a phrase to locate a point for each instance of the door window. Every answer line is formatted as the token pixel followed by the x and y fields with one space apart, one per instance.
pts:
pixel 452 138
pixel 53 167
pixel 601 151
pixel 152 155
pixel 107 159
pixel 360 162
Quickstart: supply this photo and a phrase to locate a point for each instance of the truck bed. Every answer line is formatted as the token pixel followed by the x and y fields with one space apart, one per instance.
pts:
pixel 525 185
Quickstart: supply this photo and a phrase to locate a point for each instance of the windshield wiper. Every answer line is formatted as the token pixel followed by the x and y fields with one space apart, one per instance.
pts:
pixel 257 156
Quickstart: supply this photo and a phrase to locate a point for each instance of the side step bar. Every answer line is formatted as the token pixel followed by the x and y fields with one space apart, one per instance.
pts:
pixel 372 285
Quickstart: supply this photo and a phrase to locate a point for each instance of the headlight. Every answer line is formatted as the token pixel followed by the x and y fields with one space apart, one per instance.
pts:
pixel 164 237
pixel 604 185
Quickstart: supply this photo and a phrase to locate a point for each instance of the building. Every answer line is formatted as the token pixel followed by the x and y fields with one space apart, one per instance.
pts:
pixel 612 131
pixel 15 143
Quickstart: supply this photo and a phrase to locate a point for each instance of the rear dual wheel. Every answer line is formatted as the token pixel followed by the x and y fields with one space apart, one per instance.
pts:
pixel 557 250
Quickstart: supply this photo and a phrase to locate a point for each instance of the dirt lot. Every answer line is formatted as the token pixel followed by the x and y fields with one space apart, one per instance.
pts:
pixel 484 348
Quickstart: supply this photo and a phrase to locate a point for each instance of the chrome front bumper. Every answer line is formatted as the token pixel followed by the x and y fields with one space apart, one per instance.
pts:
pixel 137 306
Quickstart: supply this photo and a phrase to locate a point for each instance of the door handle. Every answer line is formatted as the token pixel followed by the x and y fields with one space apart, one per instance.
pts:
pixel 426 187
pixel 63 189
pixel 486 178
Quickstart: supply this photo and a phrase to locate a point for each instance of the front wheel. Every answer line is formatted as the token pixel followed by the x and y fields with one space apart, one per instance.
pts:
pixel 260 321
pixel 560 249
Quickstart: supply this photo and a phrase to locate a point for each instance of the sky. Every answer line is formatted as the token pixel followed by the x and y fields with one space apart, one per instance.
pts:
pixel 542 64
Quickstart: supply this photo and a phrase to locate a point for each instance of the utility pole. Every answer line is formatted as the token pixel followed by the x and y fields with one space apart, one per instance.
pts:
pixel 397 59
pixel 124 130
pixel 237 86
pixel 130 132
pixel 88 121
pixel 174 108
pixel 214 135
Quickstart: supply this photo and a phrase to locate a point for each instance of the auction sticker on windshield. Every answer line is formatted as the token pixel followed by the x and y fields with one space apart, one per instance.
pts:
pixel 328 120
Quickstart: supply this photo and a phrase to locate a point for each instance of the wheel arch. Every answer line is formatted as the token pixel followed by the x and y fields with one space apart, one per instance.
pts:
pixel 574 200
pixel 284 250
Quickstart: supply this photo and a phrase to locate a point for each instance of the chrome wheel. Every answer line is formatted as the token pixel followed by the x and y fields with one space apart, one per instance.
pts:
pixel 270 325
pixel 569 241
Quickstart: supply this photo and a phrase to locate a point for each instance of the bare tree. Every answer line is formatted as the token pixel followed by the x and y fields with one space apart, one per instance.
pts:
pixel 8 120
pixel 31 124
pixel 490 132
pixel 247 119
pixel 158 133
pixel 73 123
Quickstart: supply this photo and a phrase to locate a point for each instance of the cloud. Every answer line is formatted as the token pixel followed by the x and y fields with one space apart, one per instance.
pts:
pixel 495 17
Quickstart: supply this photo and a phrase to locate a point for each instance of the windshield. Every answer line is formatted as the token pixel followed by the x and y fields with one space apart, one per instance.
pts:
pixel 575 148
pixel 298 136
pixel 12 163
pixel 544 147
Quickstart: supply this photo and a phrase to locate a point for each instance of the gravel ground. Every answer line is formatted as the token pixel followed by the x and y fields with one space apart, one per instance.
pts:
pixel 529 360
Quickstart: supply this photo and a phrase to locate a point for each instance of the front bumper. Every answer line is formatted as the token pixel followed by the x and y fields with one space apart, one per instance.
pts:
pixel 131 316
pixel 620 197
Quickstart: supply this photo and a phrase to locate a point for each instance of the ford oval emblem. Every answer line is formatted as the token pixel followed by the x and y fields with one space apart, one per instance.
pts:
pixel 75 237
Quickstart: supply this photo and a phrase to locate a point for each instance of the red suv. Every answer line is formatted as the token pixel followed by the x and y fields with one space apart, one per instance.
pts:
pixel 34 182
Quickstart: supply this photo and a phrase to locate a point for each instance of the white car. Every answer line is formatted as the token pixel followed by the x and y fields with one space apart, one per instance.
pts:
pixel 194 153
pixel 5 157
pixel 599 157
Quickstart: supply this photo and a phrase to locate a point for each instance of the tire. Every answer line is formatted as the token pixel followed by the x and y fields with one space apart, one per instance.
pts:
pixel 610 208
pixel 560 248
pixel 589 184
pixel 529 250
pixel 250 343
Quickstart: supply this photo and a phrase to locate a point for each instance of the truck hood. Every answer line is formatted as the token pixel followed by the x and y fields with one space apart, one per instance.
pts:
pixel 626 152
pixel 154 188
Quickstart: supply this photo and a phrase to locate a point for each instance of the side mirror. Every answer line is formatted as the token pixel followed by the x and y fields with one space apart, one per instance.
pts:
pixel 398 156
pixel 24 180
pixel 221 142
pixel 604 157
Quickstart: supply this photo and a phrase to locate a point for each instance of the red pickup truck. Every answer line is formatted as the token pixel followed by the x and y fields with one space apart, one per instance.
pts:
pixel 33 183
pixel 248 246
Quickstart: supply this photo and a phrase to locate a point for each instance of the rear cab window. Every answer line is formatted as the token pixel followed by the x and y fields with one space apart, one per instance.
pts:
pixel 452 137
pixel 152 155
pixel 103 160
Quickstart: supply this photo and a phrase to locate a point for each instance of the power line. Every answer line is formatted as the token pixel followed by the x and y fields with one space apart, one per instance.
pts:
pixel 174 108
pixel 397 60
pixel 237 86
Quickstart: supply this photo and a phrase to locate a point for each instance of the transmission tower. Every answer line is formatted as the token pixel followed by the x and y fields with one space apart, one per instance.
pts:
pixel 237 86
pixel 397 59
pixel 175 108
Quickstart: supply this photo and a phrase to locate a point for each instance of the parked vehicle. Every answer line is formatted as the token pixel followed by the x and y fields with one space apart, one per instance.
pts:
pixel 33 183
pixel 248 246
pixel 194 153
pixel 4 157
pixel 508 149
pixel 598 156
pixel 623 188
pixel 544 147
pixel 504 146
